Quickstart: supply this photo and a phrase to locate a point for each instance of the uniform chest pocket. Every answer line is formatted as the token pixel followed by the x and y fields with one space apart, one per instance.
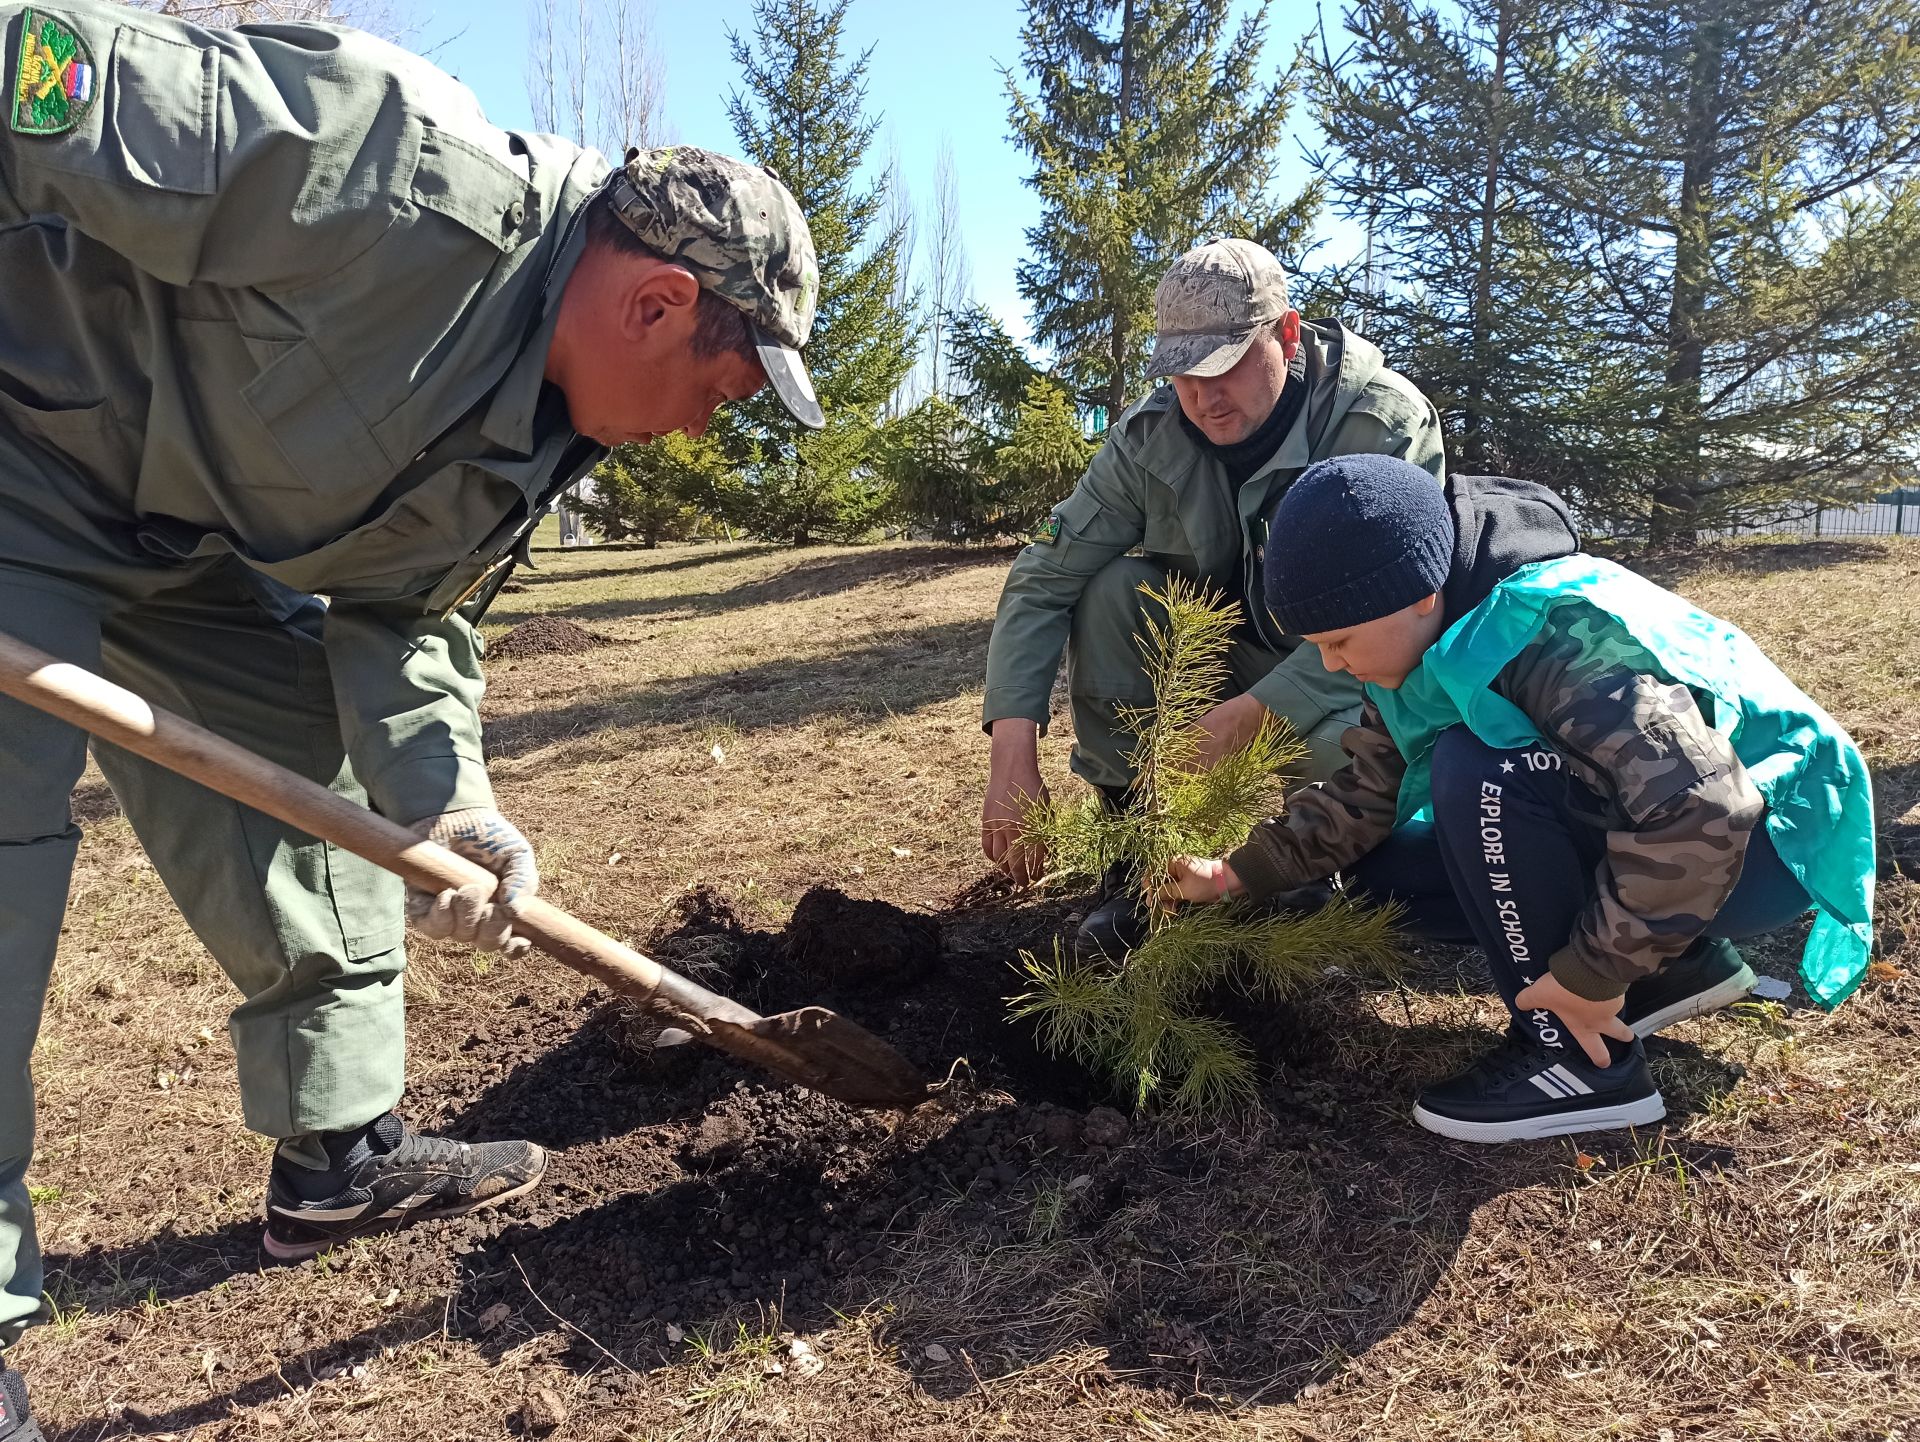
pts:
pixel 162 96
pixel 459 180
pixel 320 436
pixel 1167 540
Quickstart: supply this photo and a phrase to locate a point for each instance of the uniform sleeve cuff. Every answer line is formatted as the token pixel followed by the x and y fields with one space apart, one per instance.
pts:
pixel 1577 976
pixel 1002 703
pixel 417 787
pixel 1261 869
pixel 1288 700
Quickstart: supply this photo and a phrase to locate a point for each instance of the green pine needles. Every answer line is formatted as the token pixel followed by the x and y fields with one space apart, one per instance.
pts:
pixel 1144 1023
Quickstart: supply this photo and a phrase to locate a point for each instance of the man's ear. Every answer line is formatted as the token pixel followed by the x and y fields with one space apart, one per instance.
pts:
pixel 1427 605
pixel 1290 333
pixel 657 294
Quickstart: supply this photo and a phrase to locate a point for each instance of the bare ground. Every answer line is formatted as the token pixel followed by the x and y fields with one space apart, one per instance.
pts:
pixel 764 721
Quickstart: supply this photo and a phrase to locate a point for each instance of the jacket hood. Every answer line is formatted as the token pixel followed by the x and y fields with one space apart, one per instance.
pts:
pixel 1499 525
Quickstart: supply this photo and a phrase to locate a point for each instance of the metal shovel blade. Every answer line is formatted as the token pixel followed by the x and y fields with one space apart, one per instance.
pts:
pixel 822 1050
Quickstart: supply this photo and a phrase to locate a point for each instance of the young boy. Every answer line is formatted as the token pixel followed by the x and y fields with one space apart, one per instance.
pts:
pixel 1563 762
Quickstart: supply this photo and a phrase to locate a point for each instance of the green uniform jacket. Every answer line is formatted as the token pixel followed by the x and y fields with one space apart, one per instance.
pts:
pixel 1154 486
pixel 283 295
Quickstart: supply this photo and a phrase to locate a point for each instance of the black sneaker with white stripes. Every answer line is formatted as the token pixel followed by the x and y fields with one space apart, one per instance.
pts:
pixel 1706 976
pixel 16 1420
pixel 1521 1090
pixel 385 1175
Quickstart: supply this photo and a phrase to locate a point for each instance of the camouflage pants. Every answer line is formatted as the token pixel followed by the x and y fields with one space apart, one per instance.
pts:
pixel 1548 841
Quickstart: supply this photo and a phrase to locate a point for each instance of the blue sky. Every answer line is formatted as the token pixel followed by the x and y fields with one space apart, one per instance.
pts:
pixel 934 77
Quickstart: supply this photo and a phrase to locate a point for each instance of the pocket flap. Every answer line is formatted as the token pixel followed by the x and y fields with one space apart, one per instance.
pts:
pixel 459 180
pixel 319 433
pixel 163 112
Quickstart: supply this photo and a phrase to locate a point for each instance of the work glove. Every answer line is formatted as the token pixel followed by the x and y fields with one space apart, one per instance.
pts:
pixel 469 913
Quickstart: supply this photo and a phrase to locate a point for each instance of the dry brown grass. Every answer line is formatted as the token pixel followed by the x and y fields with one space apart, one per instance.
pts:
pixel 1749 1271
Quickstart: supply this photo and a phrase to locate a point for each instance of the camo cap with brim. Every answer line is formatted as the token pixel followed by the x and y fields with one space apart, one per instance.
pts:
pixel 1211 304
pixel 738 229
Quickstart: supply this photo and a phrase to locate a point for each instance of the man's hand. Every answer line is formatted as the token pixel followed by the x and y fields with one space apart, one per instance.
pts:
pixel 1199 879
pixel 470 913
pixel 1013 787
pixel 1589 1022
pixel 1229 727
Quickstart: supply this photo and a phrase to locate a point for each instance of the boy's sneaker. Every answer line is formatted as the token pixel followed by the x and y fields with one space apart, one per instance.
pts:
pixel 386 1175
pixel 1521 1090
pixel 1706 976
pixel 16 1421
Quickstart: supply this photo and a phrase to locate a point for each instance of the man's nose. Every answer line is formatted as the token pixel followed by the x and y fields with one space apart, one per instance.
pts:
pixel 1330 660
pixel 699 427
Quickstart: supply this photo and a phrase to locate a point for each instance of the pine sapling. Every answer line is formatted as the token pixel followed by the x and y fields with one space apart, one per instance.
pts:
pixel 1143 1022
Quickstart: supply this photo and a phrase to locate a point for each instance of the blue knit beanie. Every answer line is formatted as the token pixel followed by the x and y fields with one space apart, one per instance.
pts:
pixel 1353 539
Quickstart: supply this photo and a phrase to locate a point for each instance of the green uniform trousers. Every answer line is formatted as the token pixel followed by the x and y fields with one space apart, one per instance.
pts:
pixel 1106 671
pixel 312 936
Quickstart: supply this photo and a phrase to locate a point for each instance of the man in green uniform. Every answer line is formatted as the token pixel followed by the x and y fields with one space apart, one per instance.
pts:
pixel 1180 487
pixel 282 316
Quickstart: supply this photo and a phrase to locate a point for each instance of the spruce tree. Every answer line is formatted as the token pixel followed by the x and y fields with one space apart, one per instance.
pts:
pixel 1151 130
pixel 1436 129
pixel 1046 451
pixel 988 372
pixel 1747 179
pixel 657 492
pixel 802 110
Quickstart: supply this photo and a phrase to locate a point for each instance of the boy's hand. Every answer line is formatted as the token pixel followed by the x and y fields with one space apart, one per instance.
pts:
pixel 1200 879
pixel 1588 1021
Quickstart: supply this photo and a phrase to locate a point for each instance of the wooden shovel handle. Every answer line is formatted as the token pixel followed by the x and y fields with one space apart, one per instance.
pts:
pixel 95 705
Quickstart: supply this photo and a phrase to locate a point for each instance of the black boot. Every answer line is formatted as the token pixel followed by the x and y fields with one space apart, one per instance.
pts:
pixel 385 1175
pixel 1117 921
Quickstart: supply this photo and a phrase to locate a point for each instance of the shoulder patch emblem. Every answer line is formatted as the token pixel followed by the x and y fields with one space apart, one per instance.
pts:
pixel 1047 532
pixel 54 84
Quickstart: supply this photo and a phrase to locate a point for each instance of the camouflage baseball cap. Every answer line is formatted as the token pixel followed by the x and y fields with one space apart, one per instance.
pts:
pixel 1210 304
pixel 741 233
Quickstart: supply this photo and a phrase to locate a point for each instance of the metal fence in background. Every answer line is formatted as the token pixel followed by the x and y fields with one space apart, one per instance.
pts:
pixel 1895 514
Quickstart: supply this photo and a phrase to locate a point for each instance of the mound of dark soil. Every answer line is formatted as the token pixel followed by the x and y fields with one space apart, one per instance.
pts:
pixel 547 636
pixel 772 1197
pixel 860 943
pixel 685 1192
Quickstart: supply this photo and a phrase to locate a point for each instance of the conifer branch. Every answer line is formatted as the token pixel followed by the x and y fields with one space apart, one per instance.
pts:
pixel 1143 1023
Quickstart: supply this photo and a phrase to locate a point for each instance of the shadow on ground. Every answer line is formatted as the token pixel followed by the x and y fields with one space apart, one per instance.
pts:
pixel 1009 1227
pixel 901 672
pixel 1896 797
pixel 1672 569
pixel 825 576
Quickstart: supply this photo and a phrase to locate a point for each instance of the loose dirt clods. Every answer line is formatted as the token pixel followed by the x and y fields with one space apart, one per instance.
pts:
pixel 860 943
pixel 546 636
pixel 1323 1270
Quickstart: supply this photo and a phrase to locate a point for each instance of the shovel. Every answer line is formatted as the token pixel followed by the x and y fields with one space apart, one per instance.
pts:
pixel 812 1046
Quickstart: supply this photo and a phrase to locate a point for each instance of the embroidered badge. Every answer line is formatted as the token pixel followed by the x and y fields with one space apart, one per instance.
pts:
pixel 54 86
pixel 1047 532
